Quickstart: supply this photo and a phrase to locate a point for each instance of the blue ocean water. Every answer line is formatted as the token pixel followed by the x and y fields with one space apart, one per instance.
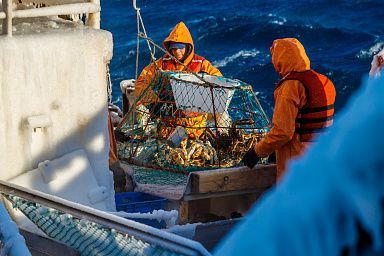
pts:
pixel 340 37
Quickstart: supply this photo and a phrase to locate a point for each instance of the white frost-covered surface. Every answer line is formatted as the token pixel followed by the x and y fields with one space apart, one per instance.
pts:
pixel 41 25
pixel 337 184
pixel 71 177
pixel 375 67
pixel 169 217
pixel 57 69
pixel 187 230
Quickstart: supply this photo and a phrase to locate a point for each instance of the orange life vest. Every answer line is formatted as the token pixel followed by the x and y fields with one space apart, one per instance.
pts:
pixel 317 114
pixel 195 65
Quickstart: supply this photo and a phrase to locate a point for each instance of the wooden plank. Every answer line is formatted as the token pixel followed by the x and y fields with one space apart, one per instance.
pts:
pixel 184 212
pixel 240 178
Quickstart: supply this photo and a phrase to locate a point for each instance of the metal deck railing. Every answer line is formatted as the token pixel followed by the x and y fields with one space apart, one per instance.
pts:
pixel 151 235
pixel 92 8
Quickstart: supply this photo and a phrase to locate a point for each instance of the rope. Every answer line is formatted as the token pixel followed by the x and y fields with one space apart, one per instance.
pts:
pixel 137 45
pixel 109 85
pixel 260 108
pixel 140 23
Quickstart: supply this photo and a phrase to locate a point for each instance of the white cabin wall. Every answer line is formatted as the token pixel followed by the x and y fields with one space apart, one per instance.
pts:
pixel 60 75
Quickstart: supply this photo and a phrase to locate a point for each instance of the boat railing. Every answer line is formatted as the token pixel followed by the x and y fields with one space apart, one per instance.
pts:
pixel 92 8
pixel 116 225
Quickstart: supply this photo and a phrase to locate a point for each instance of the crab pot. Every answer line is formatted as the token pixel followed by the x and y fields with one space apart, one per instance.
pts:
pixel 220 118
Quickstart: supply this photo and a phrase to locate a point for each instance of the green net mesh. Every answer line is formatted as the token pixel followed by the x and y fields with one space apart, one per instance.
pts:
pixel 149 176
pixel 190 122
pixel 87 237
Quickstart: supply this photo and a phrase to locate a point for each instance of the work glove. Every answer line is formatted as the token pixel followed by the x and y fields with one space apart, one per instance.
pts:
pixel 250 158
pixel 119 177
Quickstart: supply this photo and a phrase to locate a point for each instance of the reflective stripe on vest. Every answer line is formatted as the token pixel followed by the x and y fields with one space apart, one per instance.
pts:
pixel 195 65
pixel 317 114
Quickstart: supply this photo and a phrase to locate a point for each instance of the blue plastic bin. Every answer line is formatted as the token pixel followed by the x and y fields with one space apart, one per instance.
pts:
pixel 132 202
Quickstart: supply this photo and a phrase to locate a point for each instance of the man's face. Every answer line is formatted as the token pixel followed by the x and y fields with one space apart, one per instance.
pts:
pixel 178 53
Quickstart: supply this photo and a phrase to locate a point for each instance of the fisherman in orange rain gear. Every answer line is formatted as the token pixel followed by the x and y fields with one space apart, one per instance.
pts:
pixel 304 106
pixel 180 45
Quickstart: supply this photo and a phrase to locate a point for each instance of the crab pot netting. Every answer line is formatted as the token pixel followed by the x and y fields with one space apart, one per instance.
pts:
pixel 192 122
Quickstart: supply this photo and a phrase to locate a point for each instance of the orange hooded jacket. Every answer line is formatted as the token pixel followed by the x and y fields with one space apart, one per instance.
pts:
pixel 180 34
pixel 288 55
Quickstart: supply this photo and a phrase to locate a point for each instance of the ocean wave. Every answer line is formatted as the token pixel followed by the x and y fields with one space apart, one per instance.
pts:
pixel 198 21
pixel 374 49
pixel 277 19
pixel 340 36
pixel 240 54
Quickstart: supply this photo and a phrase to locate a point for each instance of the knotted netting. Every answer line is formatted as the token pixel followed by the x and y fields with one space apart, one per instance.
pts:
pixel 86 237
pixel 188 121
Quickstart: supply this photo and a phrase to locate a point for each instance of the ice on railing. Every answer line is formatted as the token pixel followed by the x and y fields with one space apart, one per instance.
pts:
pixel 169 217
pixel 29 26
pixel 22 26
pixel 50 2
pixel 331 200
